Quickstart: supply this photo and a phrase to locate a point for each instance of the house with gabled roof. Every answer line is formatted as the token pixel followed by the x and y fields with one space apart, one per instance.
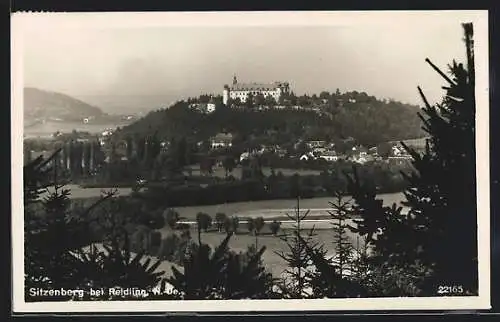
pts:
pixel 221 140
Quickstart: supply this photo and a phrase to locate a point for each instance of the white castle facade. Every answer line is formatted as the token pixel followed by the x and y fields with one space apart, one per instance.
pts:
pixel 242 91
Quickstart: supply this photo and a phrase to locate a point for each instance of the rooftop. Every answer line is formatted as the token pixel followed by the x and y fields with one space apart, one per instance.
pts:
pixel 257 86
pixel 329 154
pixel 223 137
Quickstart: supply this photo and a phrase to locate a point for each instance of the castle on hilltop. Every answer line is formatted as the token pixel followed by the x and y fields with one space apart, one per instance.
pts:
pixel 242 91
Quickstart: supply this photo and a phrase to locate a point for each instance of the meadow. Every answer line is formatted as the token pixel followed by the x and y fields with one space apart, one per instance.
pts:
pixel 275 208
pixel 274 244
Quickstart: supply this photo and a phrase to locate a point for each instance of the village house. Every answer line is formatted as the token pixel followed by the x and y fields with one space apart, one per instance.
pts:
pixel 203 107
pixel 210 107
pixel 307 156
pixel 221 140
pixel 330 156
pixel 316 144
pixel 373 151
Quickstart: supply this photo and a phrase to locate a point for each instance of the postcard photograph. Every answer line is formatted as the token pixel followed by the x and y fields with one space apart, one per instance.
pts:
pixel 250 161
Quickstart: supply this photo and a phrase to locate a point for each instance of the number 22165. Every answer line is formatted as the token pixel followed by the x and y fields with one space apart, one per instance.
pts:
pixel 455 289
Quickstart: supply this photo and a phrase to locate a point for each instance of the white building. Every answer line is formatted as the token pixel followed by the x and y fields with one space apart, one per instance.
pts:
pixel 221 140
pixel 329 156
pixel 241 91
pixel 203 107
pixel 210 107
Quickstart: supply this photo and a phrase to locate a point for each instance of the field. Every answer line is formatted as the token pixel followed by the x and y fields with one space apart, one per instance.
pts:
pixel 273 262
pixel 266 208
pixel 274 245
pixel 249 208
pixel 269 209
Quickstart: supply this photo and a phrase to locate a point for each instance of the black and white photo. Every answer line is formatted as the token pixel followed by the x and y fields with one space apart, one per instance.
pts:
pixel 288 160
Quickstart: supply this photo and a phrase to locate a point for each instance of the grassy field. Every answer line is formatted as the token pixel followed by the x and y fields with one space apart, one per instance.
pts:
pixel 248 208
pixel 266 208
pixel 273 262
pixel 78 192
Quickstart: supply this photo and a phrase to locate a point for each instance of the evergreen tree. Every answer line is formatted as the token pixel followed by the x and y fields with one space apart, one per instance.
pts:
pixel 441 196
pixel 442 192
pixel 343 247
pixel 56 237
pixel 222 274
pixel 294 282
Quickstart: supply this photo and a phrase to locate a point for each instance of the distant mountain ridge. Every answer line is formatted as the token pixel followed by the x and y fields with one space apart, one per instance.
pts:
pixel 46 105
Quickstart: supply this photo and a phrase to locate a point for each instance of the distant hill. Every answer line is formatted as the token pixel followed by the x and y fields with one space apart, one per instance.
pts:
pixel 128 103
pixel 45 105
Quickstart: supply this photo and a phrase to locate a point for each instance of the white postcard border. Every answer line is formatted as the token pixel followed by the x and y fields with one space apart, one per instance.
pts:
pixel 22 22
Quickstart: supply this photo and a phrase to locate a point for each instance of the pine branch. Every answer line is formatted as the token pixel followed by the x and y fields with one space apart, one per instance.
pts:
pixel 426 102
pixel 440 72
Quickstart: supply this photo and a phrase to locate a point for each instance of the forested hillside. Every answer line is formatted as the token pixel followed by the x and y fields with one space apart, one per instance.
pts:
pixel 327 117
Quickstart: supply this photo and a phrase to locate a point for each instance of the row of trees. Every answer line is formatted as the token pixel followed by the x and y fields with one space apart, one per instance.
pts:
pixel 222 222
pixel 77 159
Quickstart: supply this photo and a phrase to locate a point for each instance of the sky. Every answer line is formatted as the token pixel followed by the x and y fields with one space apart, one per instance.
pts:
pixel 145 67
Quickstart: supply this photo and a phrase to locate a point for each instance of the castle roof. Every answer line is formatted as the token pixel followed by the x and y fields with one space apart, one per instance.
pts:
pixel 257 86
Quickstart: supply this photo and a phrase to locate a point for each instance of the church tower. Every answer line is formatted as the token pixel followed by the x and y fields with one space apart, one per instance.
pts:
pixel 235 81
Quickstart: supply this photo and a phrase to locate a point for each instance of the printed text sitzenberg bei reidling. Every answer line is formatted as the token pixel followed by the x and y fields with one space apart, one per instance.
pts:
pixel 96 292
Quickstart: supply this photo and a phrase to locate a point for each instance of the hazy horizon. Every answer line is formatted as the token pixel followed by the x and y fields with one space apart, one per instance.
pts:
pixel 145 68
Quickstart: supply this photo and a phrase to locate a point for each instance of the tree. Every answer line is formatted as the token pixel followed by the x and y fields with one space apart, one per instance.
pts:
pixel 258 225
pixel 206 165
pixel 203 221
pixel 220 219
pixel 222 274
pixel 228 163
pixel 56 236
pixel 251 225
pixel 249 103
pixel 384 149
pixel 171 217
pixel 324 95
pixel 87 157
pixel 441 196
pixel 130 147
pixel 294 283
pixel 340 214
pixel 260 99
pixel 275 227
pixel 442 192
pixel 235 223
pixel 228 226
pixel 270 101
